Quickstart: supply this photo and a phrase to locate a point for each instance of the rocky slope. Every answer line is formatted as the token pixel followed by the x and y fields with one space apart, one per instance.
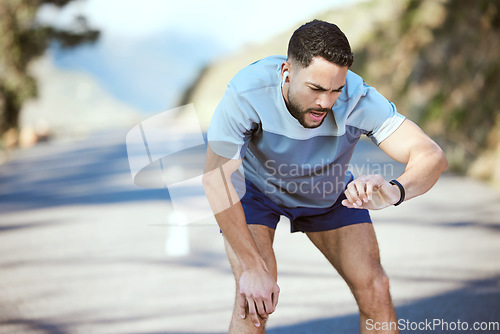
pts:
pixel 439 62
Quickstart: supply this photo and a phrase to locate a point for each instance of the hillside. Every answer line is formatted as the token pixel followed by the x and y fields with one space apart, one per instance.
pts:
pixel 437 60
pixel 69 111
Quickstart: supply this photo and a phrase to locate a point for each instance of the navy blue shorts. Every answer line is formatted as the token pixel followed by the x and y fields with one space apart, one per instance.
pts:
pixel 259 209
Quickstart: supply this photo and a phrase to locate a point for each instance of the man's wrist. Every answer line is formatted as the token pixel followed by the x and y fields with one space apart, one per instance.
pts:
pixel 253 263
pixel 401 191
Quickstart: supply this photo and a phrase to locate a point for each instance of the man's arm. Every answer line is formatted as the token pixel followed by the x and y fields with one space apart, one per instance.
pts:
pixel 257 285
pixel 425 162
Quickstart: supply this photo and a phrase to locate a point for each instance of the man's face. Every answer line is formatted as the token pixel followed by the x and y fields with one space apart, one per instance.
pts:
pixel 311 92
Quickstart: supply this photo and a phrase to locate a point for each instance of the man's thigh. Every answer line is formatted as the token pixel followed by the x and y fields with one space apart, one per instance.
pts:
pixel 353 250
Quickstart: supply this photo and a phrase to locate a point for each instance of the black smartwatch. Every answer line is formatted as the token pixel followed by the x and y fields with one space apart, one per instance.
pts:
pixel 401 189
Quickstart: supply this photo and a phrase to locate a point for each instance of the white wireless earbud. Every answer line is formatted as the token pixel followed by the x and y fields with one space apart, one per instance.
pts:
pixel 285 75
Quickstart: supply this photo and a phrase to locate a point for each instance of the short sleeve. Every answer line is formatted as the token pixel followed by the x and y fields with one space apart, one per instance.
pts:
pixel 376 115
pixel 231 127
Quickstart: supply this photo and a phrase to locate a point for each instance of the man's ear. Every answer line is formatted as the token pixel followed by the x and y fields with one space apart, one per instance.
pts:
pixel 286 68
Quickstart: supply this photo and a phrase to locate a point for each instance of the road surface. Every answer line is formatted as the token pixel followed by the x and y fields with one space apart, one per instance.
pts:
pixel 84 250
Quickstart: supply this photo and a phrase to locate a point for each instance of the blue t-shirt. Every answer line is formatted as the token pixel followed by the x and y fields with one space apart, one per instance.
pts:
pixel 295 166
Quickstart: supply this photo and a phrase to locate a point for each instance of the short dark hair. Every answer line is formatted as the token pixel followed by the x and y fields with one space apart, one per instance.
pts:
pixel 320 39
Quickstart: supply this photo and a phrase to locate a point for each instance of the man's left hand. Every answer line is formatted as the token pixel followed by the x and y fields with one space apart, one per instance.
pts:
pixel 370 192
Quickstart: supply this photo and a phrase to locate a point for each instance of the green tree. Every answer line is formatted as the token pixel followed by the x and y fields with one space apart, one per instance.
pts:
pixel 22 40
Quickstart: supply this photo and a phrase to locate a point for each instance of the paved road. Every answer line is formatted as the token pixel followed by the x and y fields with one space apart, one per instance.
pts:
pixel 84 250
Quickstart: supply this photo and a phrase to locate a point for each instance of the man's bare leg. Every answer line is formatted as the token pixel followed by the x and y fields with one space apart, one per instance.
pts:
pixel 263 237
pixel 353 251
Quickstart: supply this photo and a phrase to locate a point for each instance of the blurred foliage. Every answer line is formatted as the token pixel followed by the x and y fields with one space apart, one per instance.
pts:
pixel 440 63
pixel 22 40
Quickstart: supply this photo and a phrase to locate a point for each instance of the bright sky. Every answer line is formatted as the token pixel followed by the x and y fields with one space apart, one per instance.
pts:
pixel 230 22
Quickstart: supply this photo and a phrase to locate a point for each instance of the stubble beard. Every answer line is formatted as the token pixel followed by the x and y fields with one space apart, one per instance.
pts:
pixel 299 113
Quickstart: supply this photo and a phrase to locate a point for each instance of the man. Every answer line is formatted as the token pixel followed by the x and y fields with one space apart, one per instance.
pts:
pixel 292 124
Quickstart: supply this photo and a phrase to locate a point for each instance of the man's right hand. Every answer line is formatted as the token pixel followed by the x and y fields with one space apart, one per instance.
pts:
pixel 259 291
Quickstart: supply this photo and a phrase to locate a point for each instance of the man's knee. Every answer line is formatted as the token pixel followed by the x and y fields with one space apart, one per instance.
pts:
pixel 380 284
pixel 372 290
